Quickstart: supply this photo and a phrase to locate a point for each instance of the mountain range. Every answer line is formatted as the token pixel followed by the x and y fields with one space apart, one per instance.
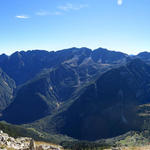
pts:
pixel 82 93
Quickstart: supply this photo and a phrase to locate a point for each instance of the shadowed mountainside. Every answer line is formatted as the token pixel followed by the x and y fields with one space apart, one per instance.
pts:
pixel 108 107
pixel 81 93
pixel 23 66
pixel 7 87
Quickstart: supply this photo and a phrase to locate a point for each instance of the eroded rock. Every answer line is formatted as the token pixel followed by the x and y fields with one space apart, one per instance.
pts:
pixel 23 143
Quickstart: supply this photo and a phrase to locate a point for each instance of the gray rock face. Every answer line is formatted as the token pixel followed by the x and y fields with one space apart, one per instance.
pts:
pixel 9 142
pixel 32 145
pixel 23 143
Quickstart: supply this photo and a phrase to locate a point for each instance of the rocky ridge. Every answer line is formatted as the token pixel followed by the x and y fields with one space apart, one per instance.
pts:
pixel 24 143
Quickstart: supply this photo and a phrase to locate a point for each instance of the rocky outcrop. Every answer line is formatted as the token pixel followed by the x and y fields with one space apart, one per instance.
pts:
pixel 23 143
pixel 9 142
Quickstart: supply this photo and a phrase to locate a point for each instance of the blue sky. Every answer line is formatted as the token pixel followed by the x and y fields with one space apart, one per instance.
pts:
pixel 58 24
